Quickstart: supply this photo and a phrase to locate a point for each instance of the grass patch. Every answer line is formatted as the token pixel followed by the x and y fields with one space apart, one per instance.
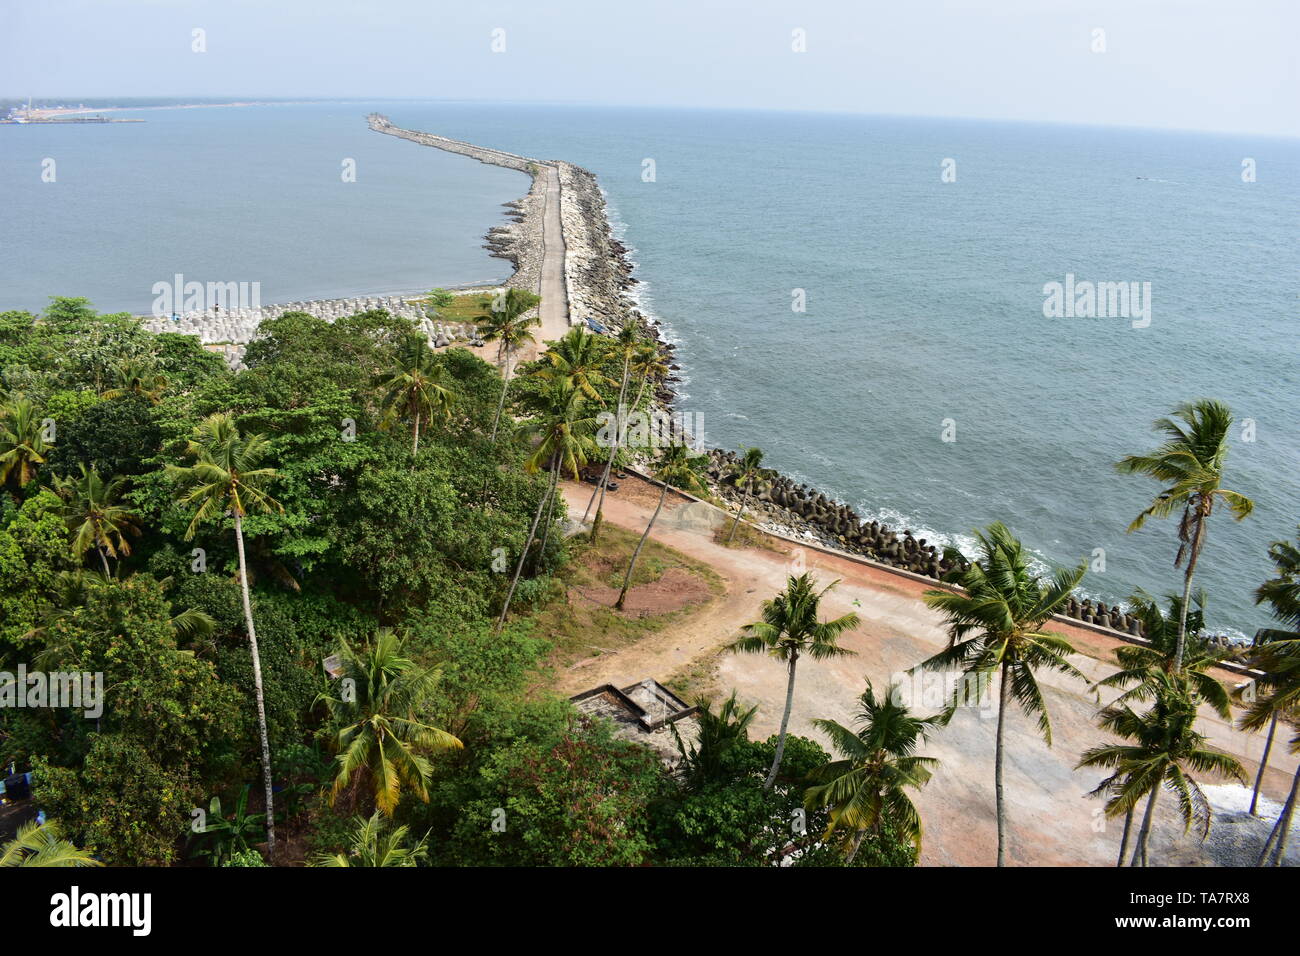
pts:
pixel 747 536
pixel 466 307
pixel 579 626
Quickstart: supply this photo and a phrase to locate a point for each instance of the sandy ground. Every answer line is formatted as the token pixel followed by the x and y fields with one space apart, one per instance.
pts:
pixel 1053 822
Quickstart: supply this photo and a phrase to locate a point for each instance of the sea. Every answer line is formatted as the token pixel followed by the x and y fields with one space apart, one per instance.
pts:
pixel 866 298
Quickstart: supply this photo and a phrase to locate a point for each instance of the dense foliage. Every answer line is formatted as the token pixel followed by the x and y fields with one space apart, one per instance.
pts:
pixel 391 517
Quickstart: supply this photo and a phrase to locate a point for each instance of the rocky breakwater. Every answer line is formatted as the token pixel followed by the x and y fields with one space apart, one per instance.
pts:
pixel 797 510
pixel 519 241
pixel 597 270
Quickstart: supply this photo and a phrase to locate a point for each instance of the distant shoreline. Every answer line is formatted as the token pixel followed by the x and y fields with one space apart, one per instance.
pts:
pixel 52 111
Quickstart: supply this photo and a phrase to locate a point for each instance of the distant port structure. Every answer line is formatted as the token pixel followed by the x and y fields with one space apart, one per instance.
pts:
pixel 27 115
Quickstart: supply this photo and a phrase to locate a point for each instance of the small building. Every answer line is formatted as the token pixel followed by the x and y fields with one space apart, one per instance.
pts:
pixel 646 713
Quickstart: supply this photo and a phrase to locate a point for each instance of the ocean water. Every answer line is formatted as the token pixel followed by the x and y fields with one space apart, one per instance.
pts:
pixel 924 299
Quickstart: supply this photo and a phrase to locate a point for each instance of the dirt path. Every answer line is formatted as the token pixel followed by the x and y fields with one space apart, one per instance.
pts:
pixel 1054 822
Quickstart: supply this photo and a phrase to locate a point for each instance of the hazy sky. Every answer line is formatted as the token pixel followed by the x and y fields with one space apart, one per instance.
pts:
pixel 1197 64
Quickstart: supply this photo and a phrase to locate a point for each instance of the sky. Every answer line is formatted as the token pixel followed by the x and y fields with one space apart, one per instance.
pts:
pixel 1224 65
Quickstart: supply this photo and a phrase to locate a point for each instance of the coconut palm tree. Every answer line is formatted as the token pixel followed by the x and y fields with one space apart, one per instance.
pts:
pixel 1282 594
pixel 94 516
pixel 1142 665
pixel 996 627
pixel 380 733
pixel 373 843
pixel 677 467
pixel 22 444
pixel 42 844
pixel 415 387
pixel 868 787
pixel 1190 466
pixel 1166 751
pixel 506 324
pixel 628 342
pixel 750 477
pixel 790 629
pixel 1277 698
pixel 136 377
pixel 563 430
pixel 226 479
pixel 576 358
pixel 647 366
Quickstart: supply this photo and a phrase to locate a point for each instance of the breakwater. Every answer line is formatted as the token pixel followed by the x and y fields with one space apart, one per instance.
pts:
pixel 597 274
pixel 598 280
pixel 520 241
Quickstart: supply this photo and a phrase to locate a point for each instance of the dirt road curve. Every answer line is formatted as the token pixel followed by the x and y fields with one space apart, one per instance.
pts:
pixel 1054 822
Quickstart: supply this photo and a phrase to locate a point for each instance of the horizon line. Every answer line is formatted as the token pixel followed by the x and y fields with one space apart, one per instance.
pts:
pixel 233 100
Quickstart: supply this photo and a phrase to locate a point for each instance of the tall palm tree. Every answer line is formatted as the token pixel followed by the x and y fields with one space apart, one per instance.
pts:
pixel 1166 751
pixel 563 429
pixel 750 477
pixel 677 467
pixel 1141 666
pixel 507 324
pixel 1277 654
pixel 576 358
pixel 868 787
pixel 789 629
pixel 22 443
pixel 226 479
pixel 373 843
pixel 94 516
pixel 996 628
pixel 1144 667
pixel 378 716
pixel 647 366
pixel 1190 465
pixel 628 342
pixel 415 387
pixel 1282 594
pixel 42 844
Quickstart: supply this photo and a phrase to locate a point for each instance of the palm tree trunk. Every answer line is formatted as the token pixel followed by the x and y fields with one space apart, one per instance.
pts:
pixel 785 721
pixel 1123 843
pixel 609 462
pixel 415 447
pixel 857 845
pixel 103 559
pixel 519 568
pixel 501 404
pixel 1281 829
pixel 1181 647
pixel 1263 763
pixel 1004 700
pixel 1144 835
pixel 257 690
pixel 546 525
pixel 744 503
pixel 627 579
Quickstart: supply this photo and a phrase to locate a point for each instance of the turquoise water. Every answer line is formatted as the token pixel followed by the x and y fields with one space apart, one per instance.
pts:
pixel 924 298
